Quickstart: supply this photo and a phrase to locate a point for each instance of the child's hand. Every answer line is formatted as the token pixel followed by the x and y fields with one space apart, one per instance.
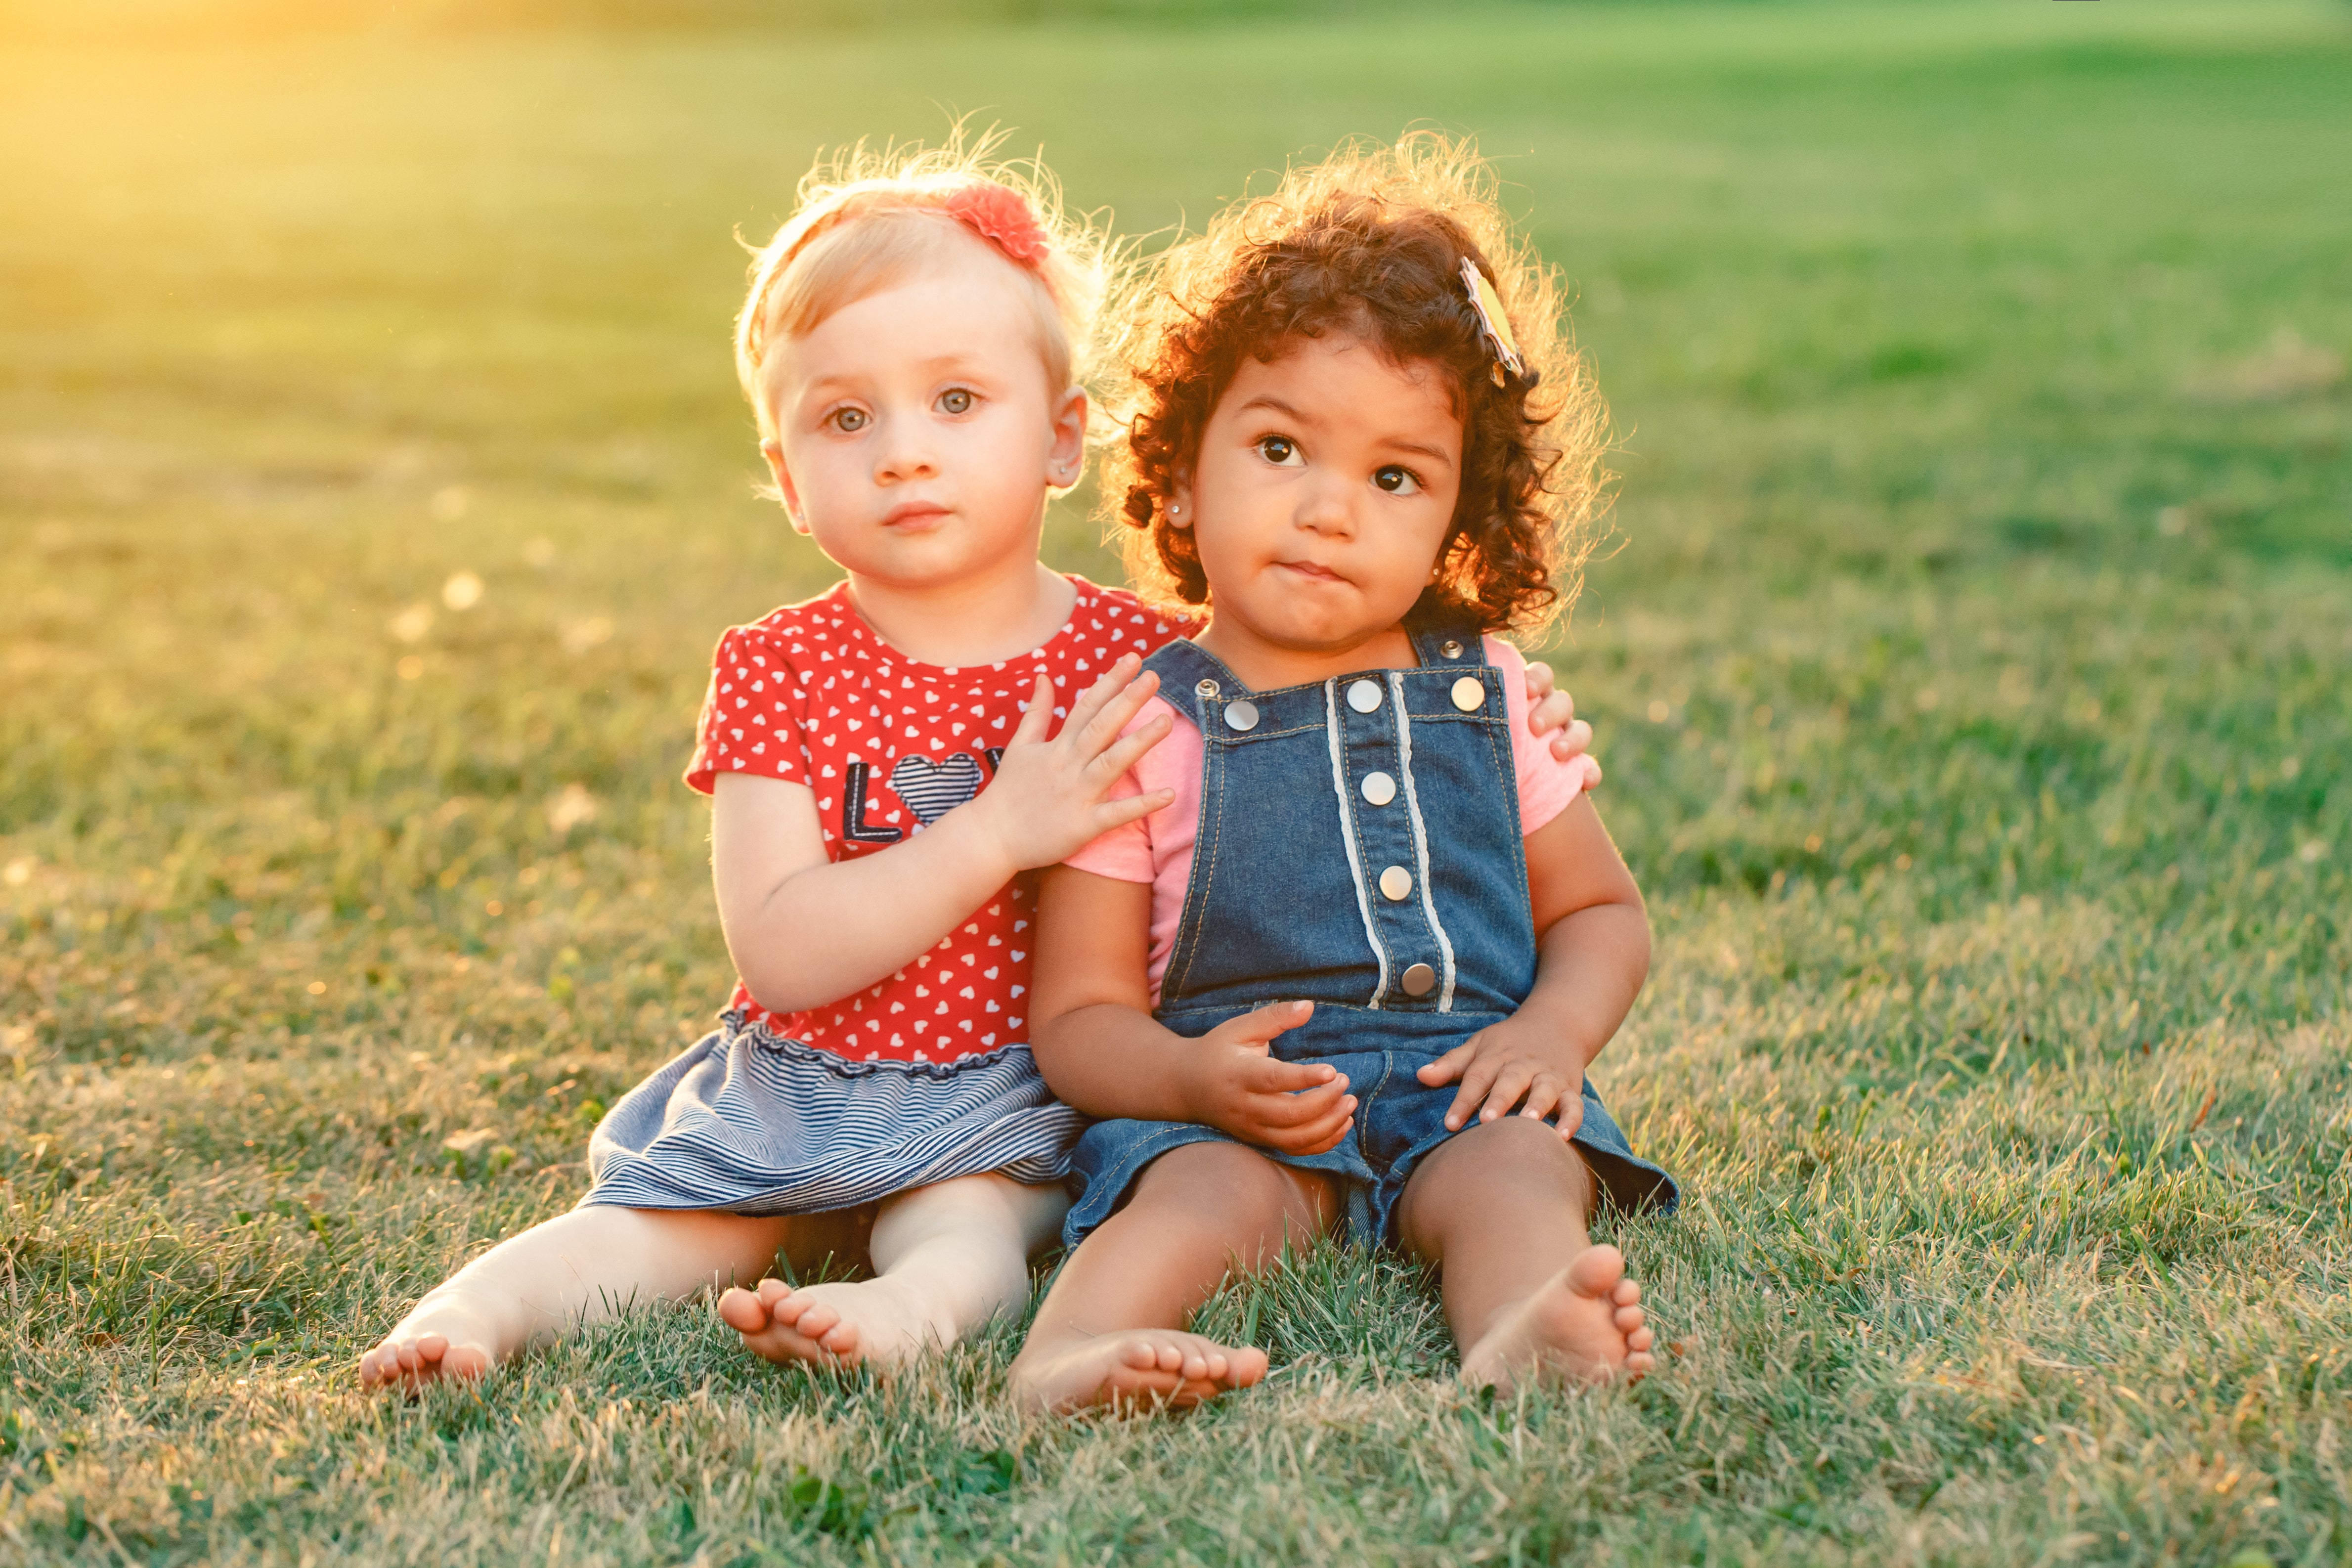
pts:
pixel 1517 1062
pixel 1234 1083
pixel 1048 798
pixel 1548 710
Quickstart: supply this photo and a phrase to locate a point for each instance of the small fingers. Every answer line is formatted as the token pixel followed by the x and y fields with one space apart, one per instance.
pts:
pixel 1544 1093
pixel 1477 1077
pixel 1291 1083
pixel 1123 754
pixel 1127 808
pixel 1280 1111
pixel 1098 717
pixel 1039 717
pixel 1539 692
pixel 1573 741
pixel 1569 1115
pixel 1320 1140
pixel 1510 1085
pixel 1307 1134
pixel 1258 1027
pixel 1447 1068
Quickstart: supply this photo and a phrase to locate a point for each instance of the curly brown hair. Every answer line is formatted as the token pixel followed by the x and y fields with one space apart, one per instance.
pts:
pixel 1370 243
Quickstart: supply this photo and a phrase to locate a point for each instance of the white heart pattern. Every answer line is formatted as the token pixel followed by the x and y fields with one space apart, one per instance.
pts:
pixel 930 789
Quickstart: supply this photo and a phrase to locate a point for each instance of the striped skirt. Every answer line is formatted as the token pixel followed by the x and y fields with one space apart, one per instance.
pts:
pixel 749 1121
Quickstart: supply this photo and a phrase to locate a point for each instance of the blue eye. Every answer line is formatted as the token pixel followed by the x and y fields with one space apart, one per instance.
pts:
pixel 955 400
pixel 848 420
pixel 1397 481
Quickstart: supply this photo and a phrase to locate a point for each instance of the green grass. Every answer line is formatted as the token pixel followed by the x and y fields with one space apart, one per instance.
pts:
pixel 1969 677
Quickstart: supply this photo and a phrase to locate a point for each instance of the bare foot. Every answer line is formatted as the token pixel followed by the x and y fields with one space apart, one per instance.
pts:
pixel 1584 1324
pixel 871 1322
pixel 447 1334
pixel 1133 1369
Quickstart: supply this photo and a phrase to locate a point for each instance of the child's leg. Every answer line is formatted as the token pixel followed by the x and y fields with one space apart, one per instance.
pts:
pixel 1107 1331
pixel 947 1257
pixel 580 1267
pixel 1501 1207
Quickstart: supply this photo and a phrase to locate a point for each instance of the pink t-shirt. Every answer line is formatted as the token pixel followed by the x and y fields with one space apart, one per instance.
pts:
pixel 1158 848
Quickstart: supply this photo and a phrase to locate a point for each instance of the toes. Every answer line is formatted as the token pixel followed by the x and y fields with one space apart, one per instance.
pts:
pixel 773 1291
pixel 1138 1355
pixel 814 1320
pixel 432 1347
pixel 1640 1340
pixel 1629 1319
pixel 1597 1272
pixel 1639 1362
pixel 1626 1294
pixel 743 1311
pixel 468 1362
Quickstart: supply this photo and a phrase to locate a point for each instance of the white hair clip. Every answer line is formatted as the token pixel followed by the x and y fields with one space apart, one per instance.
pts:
pixel 1493 322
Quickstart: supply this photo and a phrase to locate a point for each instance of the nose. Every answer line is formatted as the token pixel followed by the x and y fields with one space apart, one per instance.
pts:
pixel 904 453
pixel 1326 507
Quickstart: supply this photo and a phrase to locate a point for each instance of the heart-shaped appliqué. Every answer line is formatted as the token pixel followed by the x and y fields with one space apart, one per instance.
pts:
pixel 931 789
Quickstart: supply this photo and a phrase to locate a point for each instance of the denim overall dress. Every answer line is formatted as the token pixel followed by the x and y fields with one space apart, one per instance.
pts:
pixel 1358 848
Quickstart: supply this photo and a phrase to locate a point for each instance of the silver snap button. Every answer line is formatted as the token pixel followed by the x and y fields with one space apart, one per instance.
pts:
pixel 1395 883
pixel 1469 694
pixel 1206 689
pixel 1450 649
pixel 1241 714
pixel 1378 788
pixel 1364 695
pixel 1419 979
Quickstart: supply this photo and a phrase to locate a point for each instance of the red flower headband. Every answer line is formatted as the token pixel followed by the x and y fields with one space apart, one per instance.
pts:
pixel 994 212
pixel 1000 217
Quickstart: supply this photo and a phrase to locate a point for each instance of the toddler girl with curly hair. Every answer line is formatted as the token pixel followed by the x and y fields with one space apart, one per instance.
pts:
pixel 1350 977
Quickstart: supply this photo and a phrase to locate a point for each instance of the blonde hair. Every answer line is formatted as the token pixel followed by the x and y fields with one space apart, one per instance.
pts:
pixel 1370 243
pixel 870 217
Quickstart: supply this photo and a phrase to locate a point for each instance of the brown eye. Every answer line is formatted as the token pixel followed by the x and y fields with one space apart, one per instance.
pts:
pixel 1397 481
pixel 1277 449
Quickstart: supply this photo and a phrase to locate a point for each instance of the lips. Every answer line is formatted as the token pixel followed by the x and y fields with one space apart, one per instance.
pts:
pixel 917 512
pixel 1311 571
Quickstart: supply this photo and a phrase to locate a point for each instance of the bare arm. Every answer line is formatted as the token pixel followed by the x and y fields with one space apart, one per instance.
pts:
pixel 1101 1051
pixel 1593 953
pixel 804 930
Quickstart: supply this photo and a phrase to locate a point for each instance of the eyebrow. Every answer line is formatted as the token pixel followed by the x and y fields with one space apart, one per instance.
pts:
pixel 1267 400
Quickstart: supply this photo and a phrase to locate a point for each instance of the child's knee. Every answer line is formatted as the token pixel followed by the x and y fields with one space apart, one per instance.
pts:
pixel 1232 1191
pixel 1512 1159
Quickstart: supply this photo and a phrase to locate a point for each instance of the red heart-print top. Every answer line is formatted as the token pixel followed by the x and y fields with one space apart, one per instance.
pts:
pixel 811 694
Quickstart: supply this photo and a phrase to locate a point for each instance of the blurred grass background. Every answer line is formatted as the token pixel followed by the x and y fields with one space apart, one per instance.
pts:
pixel 1969 673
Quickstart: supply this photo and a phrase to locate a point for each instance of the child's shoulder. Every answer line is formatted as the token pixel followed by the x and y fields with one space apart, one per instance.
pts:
pixel 795 633
pixel 1124 622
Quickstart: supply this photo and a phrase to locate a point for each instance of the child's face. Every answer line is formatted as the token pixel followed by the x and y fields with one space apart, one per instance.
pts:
pixel 1324 488
pixel 916 435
